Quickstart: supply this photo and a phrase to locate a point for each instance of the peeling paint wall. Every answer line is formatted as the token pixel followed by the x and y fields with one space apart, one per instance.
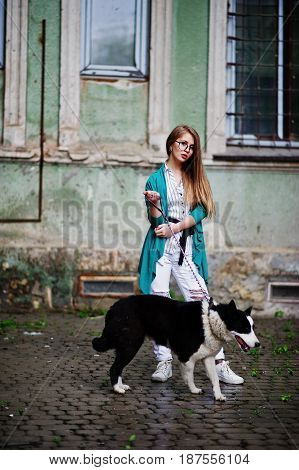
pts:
pixel 39 10
pixel 190 63
pixel 1 101
pixel 99 208
pixel 113 112
pixel 251 206
pixel 19 191
pixel 94 221
pixel 257 209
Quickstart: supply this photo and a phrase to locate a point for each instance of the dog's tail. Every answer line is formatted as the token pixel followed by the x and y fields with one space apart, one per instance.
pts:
pixel 101 344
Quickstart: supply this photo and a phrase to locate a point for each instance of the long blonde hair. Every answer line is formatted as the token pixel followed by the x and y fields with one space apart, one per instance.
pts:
pixel 196 184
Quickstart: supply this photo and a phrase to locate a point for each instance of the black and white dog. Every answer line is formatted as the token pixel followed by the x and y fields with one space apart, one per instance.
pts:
pixel 193 330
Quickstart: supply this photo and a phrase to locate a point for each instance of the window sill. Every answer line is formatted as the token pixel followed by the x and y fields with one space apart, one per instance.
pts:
pixel 250 158
pixel 21 154
pixel 258 155
pixel 113 79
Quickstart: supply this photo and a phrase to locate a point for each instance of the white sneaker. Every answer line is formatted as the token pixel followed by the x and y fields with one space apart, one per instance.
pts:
pixel 226 375
pixel 163 371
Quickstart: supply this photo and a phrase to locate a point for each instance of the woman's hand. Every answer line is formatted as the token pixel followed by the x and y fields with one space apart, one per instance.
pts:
pixel 152 196
pixel 164 231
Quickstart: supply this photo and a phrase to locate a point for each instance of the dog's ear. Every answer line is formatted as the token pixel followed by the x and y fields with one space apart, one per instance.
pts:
pixel 232 304
pixel 248 311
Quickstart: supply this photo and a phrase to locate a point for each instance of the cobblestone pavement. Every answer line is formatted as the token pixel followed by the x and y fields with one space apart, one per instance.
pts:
pixel 55 392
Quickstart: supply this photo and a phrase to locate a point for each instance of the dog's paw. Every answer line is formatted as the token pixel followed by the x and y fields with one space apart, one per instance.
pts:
pixel 118 389
pixel 196 390
pixel 220 397
pixel 126 387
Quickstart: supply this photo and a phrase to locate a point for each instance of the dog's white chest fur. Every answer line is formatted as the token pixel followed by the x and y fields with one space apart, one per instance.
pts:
pixel 211 345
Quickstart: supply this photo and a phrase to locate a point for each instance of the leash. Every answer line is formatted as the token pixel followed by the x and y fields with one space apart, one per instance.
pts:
pixel 203 291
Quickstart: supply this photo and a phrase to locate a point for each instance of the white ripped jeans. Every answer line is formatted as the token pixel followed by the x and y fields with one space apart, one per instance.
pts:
pixel 165 266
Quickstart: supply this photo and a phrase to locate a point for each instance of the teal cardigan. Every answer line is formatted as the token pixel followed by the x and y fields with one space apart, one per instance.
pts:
pixel 153 247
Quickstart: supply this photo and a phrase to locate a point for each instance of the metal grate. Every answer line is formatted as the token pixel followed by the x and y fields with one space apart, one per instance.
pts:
pixel 106 286
pixel 283 291
pixel 263 73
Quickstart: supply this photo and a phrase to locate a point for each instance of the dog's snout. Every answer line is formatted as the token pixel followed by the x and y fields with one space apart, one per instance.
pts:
pixel 257 344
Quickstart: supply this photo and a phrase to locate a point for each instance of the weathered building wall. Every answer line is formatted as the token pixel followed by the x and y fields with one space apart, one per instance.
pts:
pixel 93 217
pixel 113 112
pixel 1 99
pixel 254 240
pixel 190 64
pixel 39 10
pixel 94 221
pixel 251 206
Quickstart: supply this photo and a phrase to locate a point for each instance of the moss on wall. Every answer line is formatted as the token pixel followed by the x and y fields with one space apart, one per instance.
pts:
pixel 22 272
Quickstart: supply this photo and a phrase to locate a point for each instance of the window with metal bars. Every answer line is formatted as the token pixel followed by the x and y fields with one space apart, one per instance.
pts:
pixel 263 73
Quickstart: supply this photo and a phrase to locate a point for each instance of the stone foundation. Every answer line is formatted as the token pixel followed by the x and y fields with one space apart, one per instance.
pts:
pixel 30 278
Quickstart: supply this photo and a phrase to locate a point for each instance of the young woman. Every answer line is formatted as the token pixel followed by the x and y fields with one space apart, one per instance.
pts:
pixel 181 189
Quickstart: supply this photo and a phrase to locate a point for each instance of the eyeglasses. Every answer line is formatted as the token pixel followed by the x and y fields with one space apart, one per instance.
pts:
pixel 183 145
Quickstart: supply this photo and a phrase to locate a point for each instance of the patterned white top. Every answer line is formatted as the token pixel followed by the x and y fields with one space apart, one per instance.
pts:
pixel 178 209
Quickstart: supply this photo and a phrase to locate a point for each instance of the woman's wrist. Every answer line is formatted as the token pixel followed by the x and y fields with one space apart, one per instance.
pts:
pixel 178 227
